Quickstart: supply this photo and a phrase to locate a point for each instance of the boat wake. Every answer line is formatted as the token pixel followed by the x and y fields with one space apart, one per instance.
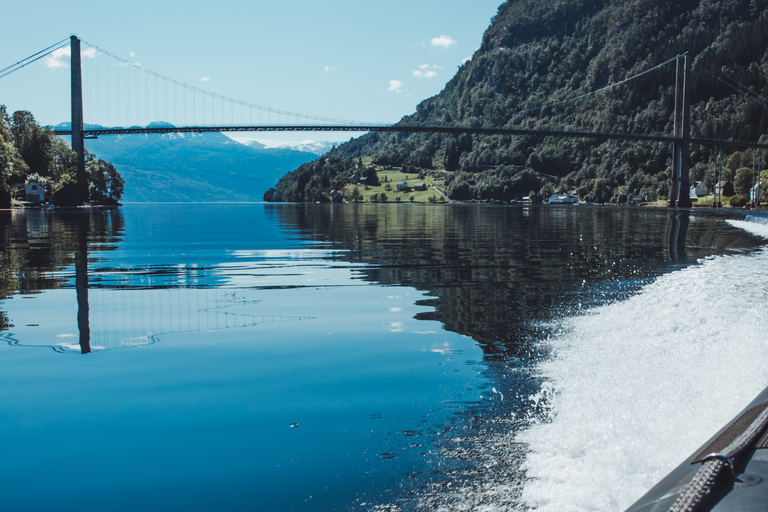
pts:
pixel 633 387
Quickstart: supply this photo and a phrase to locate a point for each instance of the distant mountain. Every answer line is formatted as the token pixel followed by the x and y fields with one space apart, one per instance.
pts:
pixel 197 167
pixel 316 148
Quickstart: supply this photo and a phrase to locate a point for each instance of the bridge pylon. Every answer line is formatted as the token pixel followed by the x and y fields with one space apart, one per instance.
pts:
pixel 78 144
pixel 679 194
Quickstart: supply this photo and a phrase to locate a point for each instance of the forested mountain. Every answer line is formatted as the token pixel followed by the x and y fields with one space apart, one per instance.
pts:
pixel 540 53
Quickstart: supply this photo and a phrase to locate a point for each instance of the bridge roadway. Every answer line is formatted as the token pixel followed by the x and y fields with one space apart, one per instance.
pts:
pixel 92 133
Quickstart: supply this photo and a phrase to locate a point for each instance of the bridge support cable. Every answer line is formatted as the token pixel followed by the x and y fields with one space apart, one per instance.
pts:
pixel 733 84
pixel 33 58
pixel 598 91
pixel 179 99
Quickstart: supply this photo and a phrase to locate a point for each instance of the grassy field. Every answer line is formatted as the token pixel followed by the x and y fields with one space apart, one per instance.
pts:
pixel 388 187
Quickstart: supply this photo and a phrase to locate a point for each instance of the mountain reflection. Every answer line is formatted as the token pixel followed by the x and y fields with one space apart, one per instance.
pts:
pixel 497 272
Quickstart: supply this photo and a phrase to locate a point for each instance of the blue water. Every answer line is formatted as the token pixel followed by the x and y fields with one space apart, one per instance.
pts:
pixel 290 357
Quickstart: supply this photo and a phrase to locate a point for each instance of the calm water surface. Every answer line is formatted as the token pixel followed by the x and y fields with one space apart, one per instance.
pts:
pixel 293 357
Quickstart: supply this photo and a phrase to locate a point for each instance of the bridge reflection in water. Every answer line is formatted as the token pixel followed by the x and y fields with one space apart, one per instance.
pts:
pixel 124 316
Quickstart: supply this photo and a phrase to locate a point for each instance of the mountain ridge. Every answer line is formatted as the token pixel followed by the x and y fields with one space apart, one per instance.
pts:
pixel 538 53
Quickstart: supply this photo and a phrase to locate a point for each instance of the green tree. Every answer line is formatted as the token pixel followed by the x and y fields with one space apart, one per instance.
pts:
pixel 11 163
pixel 106 184
pixel 742 181
pixel 33 144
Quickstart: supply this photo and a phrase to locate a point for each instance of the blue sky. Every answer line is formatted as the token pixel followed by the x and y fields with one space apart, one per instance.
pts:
pixel 369 61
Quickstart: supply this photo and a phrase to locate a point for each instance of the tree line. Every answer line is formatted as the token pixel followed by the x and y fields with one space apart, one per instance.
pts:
pixel 29 154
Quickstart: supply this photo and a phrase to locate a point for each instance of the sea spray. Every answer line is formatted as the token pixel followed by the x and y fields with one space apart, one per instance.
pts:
pixel 639 384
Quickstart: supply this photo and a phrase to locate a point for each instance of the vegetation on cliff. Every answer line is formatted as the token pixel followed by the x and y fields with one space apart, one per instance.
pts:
pixel 543 52
pixel 29 154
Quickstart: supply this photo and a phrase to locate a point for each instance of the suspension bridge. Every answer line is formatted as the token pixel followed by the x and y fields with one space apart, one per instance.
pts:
pixel 140 93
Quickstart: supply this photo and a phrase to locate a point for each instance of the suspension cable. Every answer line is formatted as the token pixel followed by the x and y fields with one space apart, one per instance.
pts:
pixel 32 58
pixel 607 87
pixel 215 96
pixel 743 89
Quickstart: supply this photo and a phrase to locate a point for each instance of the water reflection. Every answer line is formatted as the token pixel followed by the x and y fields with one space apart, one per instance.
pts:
pixel 367 390
pixel 491 273
pixel 678 229
pixel 37 245
pixel 496 272
pixel 81 285
pixel 118 306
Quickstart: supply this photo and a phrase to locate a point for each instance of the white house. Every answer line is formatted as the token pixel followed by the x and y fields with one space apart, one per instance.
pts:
pixel 754 194
pixel 699 189
pixel 34 193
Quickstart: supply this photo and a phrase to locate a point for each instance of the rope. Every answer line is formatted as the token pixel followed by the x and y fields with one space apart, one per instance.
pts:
pixel 705 477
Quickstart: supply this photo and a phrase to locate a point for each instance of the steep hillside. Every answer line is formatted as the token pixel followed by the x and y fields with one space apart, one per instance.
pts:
pixel 540 53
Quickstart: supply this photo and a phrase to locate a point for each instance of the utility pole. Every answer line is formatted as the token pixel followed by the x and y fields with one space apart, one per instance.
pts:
pixel 681 148
pixel 78 145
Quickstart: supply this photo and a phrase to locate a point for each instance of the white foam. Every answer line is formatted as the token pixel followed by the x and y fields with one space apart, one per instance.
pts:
pixel 635 387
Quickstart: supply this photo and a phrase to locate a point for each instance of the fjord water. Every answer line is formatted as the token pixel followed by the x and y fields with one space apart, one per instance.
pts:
pixel 357 357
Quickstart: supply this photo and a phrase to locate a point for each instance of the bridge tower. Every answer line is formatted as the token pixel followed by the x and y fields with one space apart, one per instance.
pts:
pixel 78 145
pixel 679 194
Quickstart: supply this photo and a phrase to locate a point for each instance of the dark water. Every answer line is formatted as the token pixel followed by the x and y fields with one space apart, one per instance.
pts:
pixel 291 357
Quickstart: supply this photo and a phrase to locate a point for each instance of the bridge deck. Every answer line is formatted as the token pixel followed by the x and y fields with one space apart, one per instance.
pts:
pixel 94 133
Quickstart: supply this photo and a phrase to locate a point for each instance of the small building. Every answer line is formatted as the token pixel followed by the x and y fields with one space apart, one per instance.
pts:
pixel 34 193
pixel 699 189
pixel 402 185
pixel 336 196
pixel 754 193
pixel 563 199
pixel 420 186
pixel 724 188
pixel 354 178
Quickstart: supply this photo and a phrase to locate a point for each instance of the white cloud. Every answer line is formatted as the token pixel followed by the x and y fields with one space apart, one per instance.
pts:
pixel 444 41
pixel 425 72
pixel 205 79
pixel 396 86
pixel 132 54
pixel 59 58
